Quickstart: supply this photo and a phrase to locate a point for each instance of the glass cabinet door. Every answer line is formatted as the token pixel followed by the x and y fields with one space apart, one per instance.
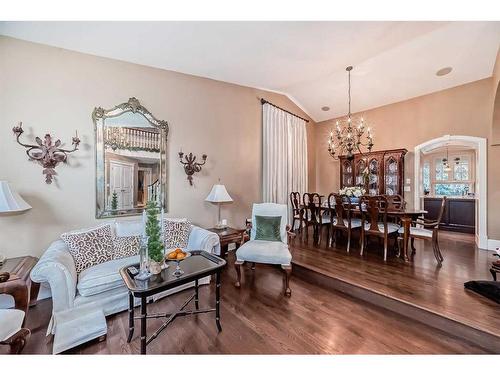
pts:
pixel 373 177
pixel 391 176
pixel 347 173
pixel 360 167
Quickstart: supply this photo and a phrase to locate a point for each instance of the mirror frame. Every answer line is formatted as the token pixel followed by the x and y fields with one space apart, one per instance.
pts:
pixel 99 115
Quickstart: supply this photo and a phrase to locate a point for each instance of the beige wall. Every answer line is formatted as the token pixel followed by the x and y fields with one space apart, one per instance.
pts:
pixel 463 110
pixel 54 90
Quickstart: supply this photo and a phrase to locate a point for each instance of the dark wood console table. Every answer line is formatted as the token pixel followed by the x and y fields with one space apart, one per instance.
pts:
pixel 18 282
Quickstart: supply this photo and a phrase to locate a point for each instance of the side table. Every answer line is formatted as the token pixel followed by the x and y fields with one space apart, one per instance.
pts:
pixel 18 283
pixel 229 235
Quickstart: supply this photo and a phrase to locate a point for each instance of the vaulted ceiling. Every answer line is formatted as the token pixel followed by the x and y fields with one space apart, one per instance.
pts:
pixel 392 61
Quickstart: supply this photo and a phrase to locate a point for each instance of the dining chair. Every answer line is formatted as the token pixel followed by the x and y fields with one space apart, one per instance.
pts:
pixel 339 207
pixel 268 251
pixel 395 202
pixel 313 215
pixel 426 230
pixel 374 222
pixel 297 210
pixel 12 332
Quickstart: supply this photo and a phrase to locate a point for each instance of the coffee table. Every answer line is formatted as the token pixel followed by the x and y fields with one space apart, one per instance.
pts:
pixel 200 264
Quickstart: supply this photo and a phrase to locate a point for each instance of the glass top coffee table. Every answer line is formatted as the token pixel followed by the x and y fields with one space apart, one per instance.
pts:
pixel 200 264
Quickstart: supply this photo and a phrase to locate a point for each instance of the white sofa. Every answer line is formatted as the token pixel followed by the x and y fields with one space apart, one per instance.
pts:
pixel 81 302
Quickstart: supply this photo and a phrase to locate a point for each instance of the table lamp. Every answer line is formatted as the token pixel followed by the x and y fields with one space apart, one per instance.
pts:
pixel 219 195
pixel 10 201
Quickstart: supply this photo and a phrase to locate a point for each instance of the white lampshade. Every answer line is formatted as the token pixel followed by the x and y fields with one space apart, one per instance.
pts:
pixel 10 201
pixel 218 194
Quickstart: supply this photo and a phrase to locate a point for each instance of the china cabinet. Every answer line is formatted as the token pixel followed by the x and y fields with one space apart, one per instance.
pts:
pixel 379 172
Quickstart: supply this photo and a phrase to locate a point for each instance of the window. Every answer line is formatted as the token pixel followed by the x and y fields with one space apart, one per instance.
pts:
pixel 461 169
pixel 426 174
pixel 441 174
pixel 457 181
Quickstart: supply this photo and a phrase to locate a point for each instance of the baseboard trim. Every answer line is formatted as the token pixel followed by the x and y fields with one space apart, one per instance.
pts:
pixel 485 340
pixel 493 244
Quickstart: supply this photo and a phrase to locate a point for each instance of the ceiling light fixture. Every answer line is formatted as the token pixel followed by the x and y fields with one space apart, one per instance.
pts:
pixel 444 71
pixel 348 139
pixel 325 108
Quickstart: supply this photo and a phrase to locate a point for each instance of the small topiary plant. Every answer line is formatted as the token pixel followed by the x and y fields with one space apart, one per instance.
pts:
pixel 153 231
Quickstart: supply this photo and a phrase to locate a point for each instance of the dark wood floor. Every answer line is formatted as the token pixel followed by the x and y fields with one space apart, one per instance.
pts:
pixel 421 282
pixel 258 319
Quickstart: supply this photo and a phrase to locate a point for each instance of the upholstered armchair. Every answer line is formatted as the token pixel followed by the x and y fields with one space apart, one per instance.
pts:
pixel 267 252
pixel 11 331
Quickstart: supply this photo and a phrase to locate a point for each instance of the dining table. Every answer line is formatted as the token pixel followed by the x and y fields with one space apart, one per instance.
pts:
pixel 405 215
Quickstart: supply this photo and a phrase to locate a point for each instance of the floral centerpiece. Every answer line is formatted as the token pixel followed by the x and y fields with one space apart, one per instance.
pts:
pixel 352 191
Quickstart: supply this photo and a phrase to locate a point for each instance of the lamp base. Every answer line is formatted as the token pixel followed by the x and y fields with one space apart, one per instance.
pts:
pixel 220 226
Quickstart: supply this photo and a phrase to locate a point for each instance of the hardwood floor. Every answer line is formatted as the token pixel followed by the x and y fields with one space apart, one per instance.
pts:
pixel 258 319
pixel 421 283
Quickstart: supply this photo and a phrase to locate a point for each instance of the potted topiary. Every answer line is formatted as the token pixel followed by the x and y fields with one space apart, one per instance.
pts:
pixel 155 245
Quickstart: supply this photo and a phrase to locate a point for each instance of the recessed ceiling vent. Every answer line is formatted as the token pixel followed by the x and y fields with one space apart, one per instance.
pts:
pixel 444 71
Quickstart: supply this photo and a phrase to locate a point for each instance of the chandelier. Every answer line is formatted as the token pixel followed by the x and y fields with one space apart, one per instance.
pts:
pixel 348 138
pixel 115 138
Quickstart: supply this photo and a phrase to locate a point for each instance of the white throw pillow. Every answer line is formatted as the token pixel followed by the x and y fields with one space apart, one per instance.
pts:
pixel 90 247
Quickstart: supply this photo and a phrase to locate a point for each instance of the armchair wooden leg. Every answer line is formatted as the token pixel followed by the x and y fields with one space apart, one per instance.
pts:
pixel 253 266
pixel 437 251
pixel 385 248
pixel 17 341
pixel 237 266
pixel 288 274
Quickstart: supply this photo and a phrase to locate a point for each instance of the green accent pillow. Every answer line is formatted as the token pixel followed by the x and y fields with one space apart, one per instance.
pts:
pixel 267 228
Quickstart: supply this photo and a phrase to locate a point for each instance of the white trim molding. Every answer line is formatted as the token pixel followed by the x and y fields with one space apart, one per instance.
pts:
pixel 479 145
pixel 493 244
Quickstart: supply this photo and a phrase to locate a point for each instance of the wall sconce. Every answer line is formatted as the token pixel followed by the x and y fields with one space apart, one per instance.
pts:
pixel 46 153
pixel 190 165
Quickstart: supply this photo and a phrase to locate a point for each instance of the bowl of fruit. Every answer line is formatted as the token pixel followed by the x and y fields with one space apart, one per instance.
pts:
pixel 177 255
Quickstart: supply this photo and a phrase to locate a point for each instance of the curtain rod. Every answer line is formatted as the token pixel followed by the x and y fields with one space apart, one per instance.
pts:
pixel 264 101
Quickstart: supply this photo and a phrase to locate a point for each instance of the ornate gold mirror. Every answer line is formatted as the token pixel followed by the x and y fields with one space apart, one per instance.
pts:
pixel 131 159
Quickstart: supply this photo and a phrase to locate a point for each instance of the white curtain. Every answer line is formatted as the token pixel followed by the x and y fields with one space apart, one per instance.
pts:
pixel 284 155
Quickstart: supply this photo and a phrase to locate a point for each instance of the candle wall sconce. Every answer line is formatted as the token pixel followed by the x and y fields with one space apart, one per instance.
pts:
pixel 45 152
pixel 190 165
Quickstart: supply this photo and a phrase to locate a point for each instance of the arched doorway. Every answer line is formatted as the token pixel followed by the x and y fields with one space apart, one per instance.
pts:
pixel 479 145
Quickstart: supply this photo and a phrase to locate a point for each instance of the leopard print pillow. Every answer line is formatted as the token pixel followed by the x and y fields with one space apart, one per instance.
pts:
pixel 176 233
pixel 90 247
pixel 126 246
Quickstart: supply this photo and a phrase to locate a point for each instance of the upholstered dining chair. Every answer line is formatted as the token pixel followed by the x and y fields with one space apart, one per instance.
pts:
pixel 11 331
pixel 339 207
pixel 267 251
pixel 297 210
pixel 374 222
pixel 426 230
pixel 313 215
